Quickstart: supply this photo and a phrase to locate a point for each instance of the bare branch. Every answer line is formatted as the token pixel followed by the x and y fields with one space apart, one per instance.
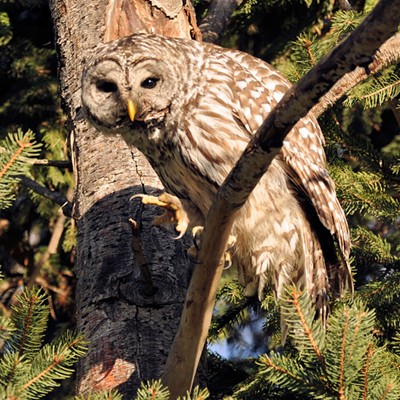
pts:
pixel 51 163
pixel 36 161
pixel 357 50
pixel 386 55
pixel 57 197
pixel 217 19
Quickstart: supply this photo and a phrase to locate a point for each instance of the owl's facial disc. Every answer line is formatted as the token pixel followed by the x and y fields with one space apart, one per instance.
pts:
pixel 117 94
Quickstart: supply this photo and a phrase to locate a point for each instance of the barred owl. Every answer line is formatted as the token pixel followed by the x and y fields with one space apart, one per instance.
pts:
pixel 191 108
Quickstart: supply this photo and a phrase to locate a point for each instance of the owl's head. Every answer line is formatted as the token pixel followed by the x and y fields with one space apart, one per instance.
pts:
pixel 127 82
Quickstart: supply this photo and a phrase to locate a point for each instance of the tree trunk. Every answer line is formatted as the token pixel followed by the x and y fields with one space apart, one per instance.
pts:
pixel 132 278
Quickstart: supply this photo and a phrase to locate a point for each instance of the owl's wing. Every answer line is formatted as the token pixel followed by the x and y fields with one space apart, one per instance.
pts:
pixel 306 166
pixel 259 88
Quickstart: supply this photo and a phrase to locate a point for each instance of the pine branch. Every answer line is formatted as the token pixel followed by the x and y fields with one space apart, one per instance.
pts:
pixel 107 395
pixel 29 323
pixel 29 370
pixel 364 191
pixel 357 50
pixel 15 149
pixel 53 363
pixel 373 248
pixel 381 90
pixel 342 357
pixel 295 296
pixel 366 371
pixel 269 362
pixel 307 46
pixel 233 315
pixel 44 162
pixel 354 367
pixel 387 54
pixel 152 390
pixel 30 320
pixel 22 145
pixel 289 373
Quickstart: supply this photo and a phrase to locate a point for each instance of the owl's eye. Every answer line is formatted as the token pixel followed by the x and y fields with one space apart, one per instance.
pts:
pixel 106 86
pixel 149 83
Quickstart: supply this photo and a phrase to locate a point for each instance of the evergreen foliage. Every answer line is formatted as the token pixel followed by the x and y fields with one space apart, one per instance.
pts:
pixel 29 103
pixel 344 361
pixel 377 90
pixel 153 390
pixel 232 307
pixel 15 151
pixel 30 369
pixel 357 357
pixel 346 364
pixel 109 395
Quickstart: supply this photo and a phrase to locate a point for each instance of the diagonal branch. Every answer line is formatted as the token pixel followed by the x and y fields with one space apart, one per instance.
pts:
pixel 357 50
pixel 386 55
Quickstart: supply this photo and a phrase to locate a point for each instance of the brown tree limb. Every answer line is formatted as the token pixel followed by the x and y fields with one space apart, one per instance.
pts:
pixel 170 18
pixel 358 50
pixel 217 19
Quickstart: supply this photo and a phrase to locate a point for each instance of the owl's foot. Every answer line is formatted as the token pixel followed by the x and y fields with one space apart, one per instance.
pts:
pixel 174 212
pixel 193 251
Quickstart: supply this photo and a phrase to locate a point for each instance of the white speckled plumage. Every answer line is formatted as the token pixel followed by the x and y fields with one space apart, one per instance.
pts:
pixel 193 126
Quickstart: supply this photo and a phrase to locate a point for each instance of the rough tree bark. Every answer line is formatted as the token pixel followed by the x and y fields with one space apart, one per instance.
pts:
pixel 131 279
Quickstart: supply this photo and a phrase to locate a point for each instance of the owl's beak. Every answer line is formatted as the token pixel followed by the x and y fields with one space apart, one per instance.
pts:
pixel 131 110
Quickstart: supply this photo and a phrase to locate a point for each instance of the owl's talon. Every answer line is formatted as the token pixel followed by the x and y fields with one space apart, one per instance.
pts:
pixel 230 243
pixel 174 213
pixel 227 260
pixel 193 250
pixel 197 233
pixel 228 252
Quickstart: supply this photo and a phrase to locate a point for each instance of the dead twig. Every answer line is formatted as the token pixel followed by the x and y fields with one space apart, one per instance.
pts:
pixel 57 197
